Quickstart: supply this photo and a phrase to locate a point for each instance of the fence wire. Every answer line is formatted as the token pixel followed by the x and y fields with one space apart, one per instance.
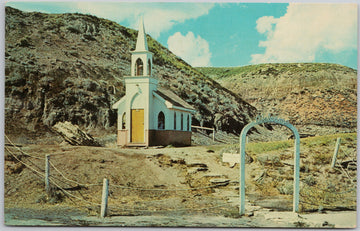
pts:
pixel 22 151
pixel 28 166
pixel 135 188
pixel 167 190
pixel 72 195
pixel 168 210
pixel 75 182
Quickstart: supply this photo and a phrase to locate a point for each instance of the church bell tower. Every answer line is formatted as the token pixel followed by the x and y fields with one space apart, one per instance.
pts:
pixel 141 57
pixel 140 86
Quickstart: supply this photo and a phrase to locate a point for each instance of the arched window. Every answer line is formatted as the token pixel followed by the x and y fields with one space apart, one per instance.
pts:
pixel 161 120
pixel 174 120
pixel 149 67
pixel 139 67
pixel 123 121
pixel 188 123
pixel 182 122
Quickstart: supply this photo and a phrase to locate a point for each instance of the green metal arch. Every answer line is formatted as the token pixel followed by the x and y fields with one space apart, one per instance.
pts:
pixel 262 120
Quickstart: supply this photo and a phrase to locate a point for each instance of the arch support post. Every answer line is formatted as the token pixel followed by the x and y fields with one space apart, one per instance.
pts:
pixel 242 173
pixel 296 171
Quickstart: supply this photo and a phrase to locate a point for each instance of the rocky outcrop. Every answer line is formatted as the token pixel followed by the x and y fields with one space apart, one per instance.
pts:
pixel 70 67
pixel 74 135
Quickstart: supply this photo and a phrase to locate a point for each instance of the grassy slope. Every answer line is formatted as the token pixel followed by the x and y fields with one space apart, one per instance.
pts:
pixel 275 69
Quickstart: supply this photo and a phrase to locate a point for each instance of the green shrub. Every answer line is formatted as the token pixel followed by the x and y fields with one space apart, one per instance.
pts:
pixel 266 159
pixel 322 158
pixel 73 30
pixel 286 188
pixel 310 180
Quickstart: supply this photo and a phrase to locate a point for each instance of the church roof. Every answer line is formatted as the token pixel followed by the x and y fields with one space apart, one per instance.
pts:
pixel 173 98
pixel 141 43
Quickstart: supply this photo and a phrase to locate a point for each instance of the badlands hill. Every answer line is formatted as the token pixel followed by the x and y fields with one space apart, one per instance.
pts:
pixel 319 97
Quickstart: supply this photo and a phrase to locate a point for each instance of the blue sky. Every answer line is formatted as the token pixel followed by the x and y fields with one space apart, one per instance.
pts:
pixel 234 34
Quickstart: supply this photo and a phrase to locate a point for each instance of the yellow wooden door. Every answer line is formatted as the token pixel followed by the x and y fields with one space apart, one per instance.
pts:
pixel 137 125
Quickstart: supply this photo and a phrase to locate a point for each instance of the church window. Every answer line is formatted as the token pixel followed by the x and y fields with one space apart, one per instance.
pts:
pixel 149 67
pixel 139 67
pixel 188 123
pixel 174 120
pixel 161 120
pixel 182 122
pixel 123 121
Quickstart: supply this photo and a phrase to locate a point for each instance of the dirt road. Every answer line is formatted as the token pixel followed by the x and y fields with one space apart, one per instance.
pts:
pixel 263 218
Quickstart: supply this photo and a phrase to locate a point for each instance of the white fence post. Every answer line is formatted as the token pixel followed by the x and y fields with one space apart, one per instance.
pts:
pixel 337 146
pixel 104 199
pixel 47 174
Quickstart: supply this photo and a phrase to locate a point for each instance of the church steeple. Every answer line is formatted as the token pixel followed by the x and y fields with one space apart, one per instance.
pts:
pixel 141 43
pixel 141 57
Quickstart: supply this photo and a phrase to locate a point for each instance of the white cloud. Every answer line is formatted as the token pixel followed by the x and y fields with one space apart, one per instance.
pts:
pixel 158 16
pixel 305 30
pixel 265 24
pixel 194 50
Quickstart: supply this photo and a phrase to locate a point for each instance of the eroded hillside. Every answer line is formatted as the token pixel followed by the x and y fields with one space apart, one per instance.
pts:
pixel 306 94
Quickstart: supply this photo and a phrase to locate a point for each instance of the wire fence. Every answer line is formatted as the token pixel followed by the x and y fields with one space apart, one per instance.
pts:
pixel 168 190
pixel 62 178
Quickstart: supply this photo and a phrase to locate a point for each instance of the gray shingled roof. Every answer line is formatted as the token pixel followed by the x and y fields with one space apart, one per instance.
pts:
pixel 173 98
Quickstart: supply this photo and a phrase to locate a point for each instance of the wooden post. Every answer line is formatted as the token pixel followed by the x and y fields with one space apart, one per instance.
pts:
pixel 104 199
pixel 47 174
pixel 337 146
pixel 213 134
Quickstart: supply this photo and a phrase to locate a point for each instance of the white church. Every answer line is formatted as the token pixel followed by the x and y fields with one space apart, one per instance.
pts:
pixel 149 115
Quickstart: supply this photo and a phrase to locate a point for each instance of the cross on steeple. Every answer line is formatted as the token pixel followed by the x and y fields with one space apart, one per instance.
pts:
pixel 141 43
